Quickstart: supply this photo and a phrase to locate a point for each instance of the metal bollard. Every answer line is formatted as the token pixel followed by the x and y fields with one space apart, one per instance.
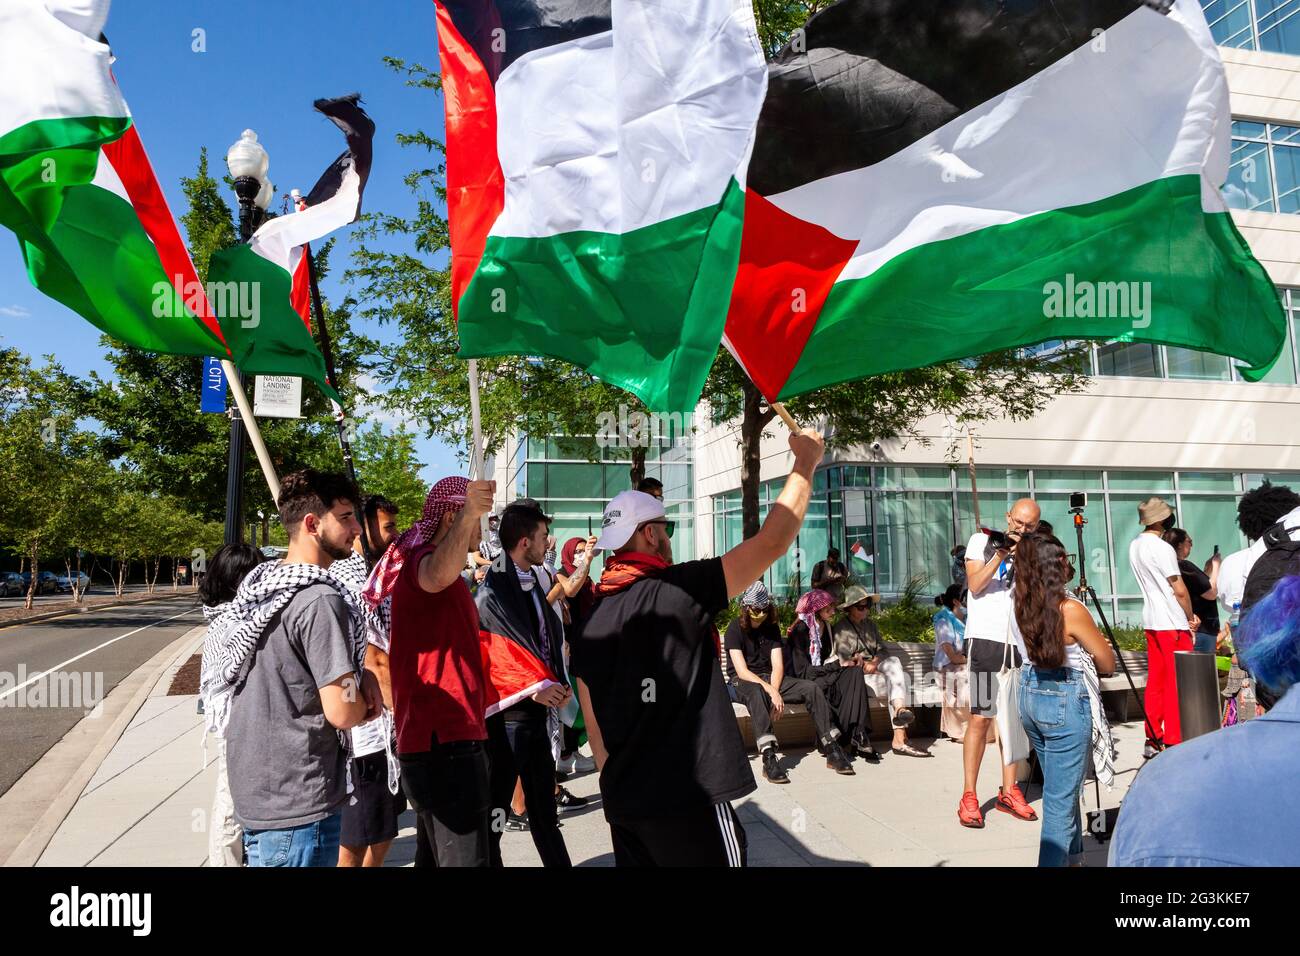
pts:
pixel 1198 693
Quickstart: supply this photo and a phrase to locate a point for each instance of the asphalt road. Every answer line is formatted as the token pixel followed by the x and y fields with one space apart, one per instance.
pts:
pixel 35 717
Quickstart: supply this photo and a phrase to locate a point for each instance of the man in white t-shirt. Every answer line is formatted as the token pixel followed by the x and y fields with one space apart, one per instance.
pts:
pixel 1167 619
pixel 989 643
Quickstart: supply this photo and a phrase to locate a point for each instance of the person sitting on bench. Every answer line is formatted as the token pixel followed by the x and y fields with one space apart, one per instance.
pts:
pixel 757 658
pixel 813 658
pixel 858 644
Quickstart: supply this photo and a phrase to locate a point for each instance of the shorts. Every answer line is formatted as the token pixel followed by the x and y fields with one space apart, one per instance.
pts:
pixel 373 818
pixel 987 658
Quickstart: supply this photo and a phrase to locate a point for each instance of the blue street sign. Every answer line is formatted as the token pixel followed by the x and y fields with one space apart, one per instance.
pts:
pixel 214 386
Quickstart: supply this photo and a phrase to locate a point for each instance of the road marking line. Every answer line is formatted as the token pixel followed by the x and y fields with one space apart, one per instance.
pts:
pixel 73 660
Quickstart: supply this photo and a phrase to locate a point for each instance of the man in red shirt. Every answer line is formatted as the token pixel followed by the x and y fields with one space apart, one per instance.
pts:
pixel 437 670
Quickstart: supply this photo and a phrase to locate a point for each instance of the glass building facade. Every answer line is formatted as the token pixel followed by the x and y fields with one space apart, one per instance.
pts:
pixel 573 479
pixel 907 520
pixel 1268 25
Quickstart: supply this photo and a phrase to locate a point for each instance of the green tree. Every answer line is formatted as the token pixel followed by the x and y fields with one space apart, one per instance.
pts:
pixel 389 465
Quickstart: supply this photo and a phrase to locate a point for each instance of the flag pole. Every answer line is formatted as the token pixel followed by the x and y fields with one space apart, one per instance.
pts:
pixel 340 417
pixel 250 426
pixel 476 463
pixel 974 491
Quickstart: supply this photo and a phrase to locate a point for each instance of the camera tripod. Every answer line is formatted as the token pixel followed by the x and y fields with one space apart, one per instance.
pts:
pixel 1085 588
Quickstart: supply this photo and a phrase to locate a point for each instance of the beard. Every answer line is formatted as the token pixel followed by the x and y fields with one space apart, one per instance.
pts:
pixel 336 549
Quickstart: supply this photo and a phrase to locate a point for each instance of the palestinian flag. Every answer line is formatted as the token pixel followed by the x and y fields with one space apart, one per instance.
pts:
pixel 861 553
pixel 77 188
pixel 261 289
pixel 515 662
pixel 937 179
pixel 595 163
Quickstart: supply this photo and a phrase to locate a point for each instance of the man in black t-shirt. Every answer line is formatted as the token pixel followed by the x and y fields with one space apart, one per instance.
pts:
pixel 658 715
pixel 756 657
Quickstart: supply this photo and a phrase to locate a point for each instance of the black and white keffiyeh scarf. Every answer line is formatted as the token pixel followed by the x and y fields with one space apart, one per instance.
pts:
pixel 1103 742
pixel 234 629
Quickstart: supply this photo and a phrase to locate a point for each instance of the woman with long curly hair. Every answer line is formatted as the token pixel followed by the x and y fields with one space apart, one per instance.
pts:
pixel 1062 646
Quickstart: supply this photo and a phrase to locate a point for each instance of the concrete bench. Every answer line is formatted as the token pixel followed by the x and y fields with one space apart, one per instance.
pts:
pixel 1117 683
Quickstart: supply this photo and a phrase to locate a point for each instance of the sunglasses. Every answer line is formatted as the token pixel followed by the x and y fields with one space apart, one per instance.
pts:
pixel 669 526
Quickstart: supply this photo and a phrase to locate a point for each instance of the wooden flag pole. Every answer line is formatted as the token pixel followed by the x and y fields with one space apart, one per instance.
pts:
pixel 250 426
pixel 476 463
pixel 974 491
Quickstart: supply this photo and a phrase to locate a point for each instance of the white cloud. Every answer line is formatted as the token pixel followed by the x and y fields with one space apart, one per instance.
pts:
pixel 367 412
pixel 14 311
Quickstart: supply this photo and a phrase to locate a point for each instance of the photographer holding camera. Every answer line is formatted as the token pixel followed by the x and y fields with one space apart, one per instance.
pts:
pixel 989 562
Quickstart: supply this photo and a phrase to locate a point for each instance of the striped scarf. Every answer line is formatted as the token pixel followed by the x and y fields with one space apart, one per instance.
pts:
pixel 1103 743
pixel 234 630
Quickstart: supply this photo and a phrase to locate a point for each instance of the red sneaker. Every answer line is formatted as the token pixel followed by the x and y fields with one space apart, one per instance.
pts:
pixel 1014 803
pixel 968 811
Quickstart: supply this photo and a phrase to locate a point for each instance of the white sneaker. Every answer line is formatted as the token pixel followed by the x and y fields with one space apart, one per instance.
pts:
pixel 582 763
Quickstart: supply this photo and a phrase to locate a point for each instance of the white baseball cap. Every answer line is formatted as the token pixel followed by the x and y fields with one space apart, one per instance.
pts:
pixel 628 511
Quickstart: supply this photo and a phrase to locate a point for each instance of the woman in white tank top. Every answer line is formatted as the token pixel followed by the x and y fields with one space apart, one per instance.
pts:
pixel 1055 707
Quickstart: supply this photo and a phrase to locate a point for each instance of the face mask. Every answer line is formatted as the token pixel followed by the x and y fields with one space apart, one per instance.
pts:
pixel 757 617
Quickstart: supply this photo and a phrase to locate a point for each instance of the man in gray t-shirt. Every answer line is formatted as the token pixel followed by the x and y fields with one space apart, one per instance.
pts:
pixel 287 766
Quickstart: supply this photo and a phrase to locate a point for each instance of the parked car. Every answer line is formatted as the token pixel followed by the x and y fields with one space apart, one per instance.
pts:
pixel 81 579
pixel 11 583
pixel 46 582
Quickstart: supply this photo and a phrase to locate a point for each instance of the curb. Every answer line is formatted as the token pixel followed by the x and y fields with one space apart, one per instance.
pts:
pixel 40 616
pixel 30 849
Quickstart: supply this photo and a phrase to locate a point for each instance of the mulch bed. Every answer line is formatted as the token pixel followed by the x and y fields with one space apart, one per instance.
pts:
pixel 186 680
pixel 16 615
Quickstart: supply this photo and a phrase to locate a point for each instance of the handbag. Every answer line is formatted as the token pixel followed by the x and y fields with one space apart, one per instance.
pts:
pixel 1011 732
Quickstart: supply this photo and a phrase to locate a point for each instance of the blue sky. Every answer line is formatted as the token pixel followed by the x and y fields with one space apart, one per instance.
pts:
pixel 263 66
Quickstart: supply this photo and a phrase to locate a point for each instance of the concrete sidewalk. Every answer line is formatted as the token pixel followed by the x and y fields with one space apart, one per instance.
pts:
pixel 148 804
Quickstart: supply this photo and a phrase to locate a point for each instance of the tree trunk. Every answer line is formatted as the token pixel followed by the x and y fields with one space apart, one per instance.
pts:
pixel 752 423
pixel 31 588
pixel 119 583
pixel 77 592
pixel 637 471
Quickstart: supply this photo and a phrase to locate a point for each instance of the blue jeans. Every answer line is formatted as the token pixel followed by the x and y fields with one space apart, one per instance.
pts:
pixel 1203 643
pixel 312 844
pixel 1058 720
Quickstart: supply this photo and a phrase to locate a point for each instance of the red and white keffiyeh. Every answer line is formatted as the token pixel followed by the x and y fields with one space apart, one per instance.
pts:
pixel 448 495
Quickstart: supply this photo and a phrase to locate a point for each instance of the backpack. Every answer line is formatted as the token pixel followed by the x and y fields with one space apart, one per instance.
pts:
pixel 1280 560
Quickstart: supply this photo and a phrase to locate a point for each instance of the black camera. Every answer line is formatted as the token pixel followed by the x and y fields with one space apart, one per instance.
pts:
pixel 1078 501
pixel 1001 540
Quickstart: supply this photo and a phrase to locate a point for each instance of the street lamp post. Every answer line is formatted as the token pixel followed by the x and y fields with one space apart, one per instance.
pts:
pixel 248 163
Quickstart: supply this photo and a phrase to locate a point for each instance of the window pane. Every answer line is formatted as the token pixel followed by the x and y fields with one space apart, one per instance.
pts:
pixel 1124 528
pixel 1064 480
pixel 914 536
pixel 1230 22
pixel 1136 359
pixel 536 481
pixel 994 506
pixel 1211 520
pixel 995 479
pixel 1250 181
pixel 1286 162
pixel 576 481
pixel 1248 130
pixel 1189 363
pixel 915 477
pixel 1147 482
pixel 1096 559
pixel 1279 28
pixel 684 534
pixel 1129 613
pixel 1207 481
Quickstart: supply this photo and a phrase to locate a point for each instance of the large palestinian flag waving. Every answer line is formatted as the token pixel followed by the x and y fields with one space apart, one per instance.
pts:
pixel 936 179
pixel 77 188
pixel 275 336
pixel 595 157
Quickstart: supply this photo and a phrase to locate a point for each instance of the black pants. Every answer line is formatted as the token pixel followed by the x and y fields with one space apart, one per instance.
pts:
pixel 793 691
pixel 708 836
pixel 846 692
pixel 448 787
pixel 522 749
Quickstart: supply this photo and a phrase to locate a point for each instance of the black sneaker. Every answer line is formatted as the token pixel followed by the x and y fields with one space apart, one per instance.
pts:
pixel 904 718
pixel 837 761
pixel 567 801
pixel 772 771
pixel 516 822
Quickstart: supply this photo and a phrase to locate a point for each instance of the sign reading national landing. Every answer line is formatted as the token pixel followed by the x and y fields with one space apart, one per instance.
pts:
pixel 277 396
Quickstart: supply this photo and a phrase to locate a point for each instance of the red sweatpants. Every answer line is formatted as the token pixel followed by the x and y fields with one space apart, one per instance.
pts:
pixel 1162 689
